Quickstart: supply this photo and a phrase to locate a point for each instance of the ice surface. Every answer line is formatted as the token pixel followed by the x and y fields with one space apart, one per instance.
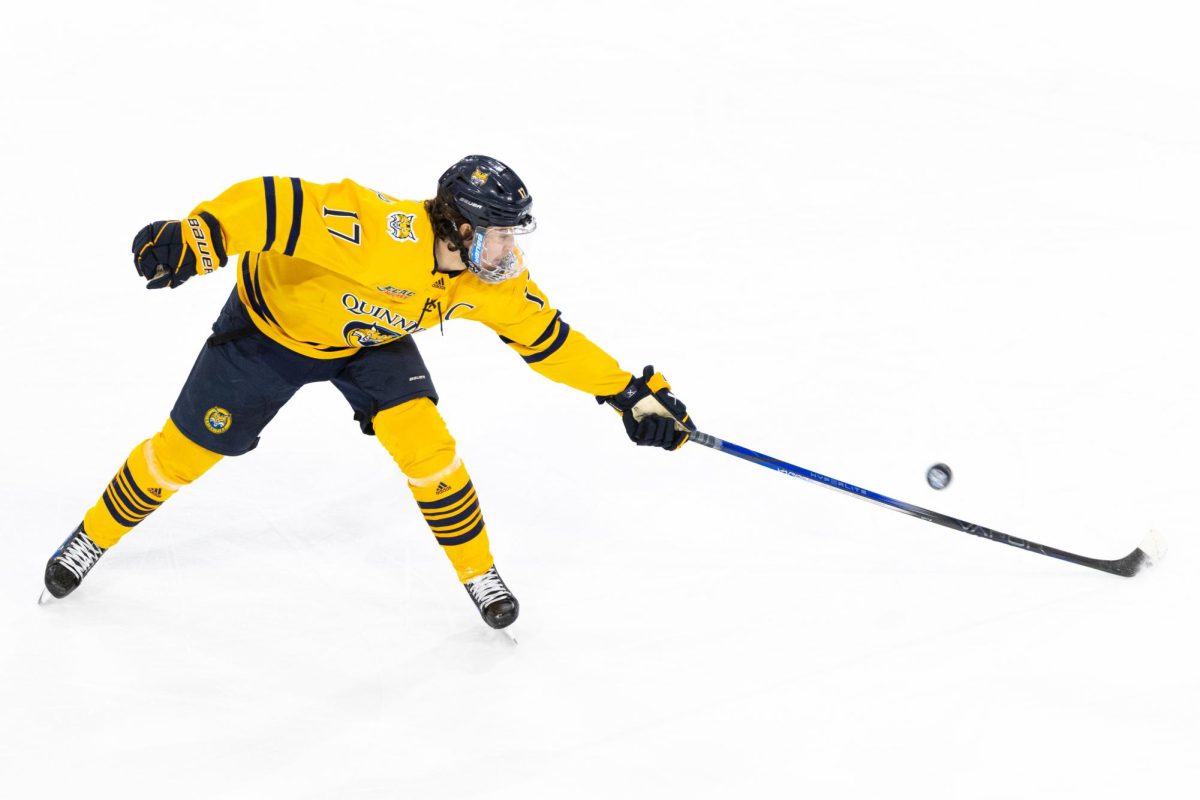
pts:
pixel 861 237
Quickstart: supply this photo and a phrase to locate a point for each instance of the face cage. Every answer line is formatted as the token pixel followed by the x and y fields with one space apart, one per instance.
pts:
pixel 495 256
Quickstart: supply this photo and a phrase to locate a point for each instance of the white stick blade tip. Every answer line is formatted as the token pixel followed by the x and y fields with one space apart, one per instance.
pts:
pixel 1154 546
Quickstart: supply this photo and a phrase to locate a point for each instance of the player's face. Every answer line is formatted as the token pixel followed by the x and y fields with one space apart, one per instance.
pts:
pixel 498 254
pixel 497 247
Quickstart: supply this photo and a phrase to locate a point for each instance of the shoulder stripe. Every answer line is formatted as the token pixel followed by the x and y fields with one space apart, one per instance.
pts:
pixel 297 213
pixel 269 192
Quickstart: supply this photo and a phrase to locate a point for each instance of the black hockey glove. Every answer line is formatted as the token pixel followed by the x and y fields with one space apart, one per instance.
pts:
pixel 652 415
pixel 168 252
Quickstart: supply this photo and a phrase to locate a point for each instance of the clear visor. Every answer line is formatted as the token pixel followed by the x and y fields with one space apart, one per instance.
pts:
pixel 498 254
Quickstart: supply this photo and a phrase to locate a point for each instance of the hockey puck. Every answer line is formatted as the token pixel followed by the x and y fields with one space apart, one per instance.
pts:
pixel 939 476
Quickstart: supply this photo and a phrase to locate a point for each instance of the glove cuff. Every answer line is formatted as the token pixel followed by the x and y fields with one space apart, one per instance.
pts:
pixel 628 397
pixel 202 234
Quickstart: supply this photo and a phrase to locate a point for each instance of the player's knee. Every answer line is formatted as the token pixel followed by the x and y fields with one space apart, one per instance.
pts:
pixel 416 436
pixel 177 459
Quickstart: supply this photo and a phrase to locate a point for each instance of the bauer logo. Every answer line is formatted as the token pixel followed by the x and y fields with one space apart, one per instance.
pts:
pixel 202 246
pixel 217 420
pixel 400 226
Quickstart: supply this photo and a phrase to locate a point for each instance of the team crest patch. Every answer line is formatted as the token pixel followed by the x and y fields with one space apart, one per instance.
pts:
pixel 217 420
pixel 479 177
pixel 362 334
pixel 400 226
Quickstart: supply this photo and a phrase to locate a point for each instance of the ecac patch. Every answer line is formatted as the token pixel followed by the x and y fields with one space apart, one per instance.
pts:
pixel 217 420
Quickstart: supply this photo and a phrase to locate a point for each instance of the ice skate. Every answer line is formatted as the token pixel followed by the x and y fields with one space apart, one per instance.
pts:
pixel 495 602
pixel 70 563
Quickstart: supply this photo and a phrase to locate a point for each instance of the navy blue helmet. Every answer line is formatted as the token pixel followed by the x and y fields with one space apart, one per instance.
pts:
pixel 487 192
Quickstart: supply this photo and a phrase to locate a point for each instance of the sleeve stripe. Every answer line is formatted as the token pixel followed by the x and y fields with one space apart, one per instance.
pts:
pixel 558 342
pixel 297 212
pixel 549 329
pixel 269 189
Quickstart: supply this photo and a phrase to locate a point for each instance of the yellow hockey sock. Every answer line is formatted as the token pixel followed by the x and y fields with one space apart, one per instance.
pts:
pixel 154 471
pixel 416 436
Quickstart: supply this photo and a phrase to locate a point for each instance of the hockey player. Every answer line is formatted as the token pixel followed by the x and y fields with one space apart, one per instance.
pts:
pixel 332 280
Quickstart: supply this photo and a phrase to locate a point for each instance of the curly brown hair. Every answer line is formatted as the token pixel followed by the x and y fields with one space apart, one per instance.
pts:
pixel 447 221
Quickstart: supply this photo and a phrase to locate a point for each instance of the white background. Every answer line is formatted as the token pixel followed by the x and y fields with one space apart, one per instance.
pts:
pixel 863 237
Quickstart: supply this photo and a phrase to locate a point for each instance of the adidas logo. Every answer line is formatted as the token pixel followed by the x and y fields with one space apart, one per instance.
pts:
pixel 442 488
pixel 440 283
pixel 154 490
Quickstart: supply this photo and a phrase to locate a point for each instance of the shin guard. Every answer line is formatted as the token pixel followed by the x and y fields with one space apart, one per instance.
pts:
pixel 416 436
pixel 154 471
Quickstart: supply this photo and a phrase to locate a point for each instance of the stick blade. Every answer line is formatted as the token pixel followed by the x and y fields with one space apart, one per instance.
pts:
pixel 1152 550
pixel 1154 546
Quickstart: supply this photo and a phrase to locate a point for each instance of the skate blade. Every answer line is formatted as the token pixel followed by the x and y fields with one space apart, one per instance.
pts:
pixel 45 598
pixel 509 634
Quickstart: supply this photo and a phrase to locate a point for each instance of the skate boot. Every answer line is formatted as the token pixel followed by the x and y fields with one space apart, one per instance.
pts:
pixel 495 602
pixel 73 560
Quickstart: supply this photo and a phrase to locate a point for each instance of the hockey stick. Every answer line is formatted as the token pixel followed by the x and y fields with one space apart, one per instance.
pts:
pixel 1152 548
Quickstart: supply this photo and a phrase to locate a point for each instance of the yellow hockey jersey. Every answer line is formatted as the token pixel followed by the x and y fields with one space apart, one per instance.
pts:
pixel 327 269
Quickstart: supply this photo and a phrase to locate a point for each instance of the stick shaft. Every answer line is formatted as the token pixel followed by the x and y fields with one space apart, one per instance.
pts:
pixel 1127 566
